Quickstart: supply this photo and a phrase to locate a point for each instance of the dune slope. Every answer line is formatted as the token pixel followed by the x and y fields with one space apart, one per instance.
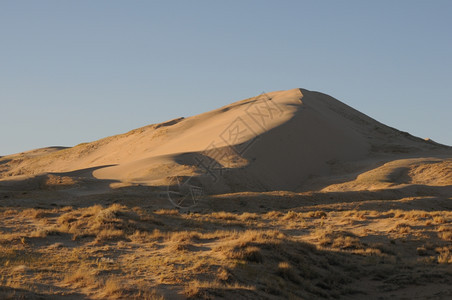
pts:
pixel 273 141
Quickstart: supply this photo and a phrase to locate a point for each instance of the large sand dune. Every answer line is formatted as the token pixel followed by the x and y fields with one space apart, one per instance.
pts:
pixel 275 141
pixel 287 195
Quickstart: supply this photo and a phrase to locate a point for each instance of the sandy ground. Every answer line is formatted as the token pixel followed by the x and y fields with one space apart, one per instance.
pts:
pixel 288 194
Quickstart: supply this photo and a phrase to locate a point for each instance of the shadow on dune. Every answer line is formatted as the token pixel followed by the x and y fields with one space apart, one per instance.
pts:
pixel 82 187
pixel 407 197
pixel 329 144
pixel 40 182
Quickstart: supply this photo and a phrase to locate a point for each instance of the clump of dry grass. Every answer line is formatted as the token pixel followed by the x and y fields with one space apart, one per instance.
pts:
pixel 443 228
pixel 147 237
pixel 245 245
pixel 444 255
pixel 168 212
pixel 197 289
pixel 246 216
pixel 9 238
pixel 401 228
pixel 182 240
pixel 54 181
pixel 439 219
pixel 317 214
pixel 338 239
pixel 395 213
pixel 247 253
pixel 273 215
pixel 35 213
pixel 445 234
pixel 422 251
pixel 82 277
pixel 416 215
pixel 356 214
pixel 106 287
pixel 109 234
pixel 223 274
pixel 292 215
pixel 286 271
pixel 224 215
pixel 409 215
pixel 10 212
pixel 112 289
pixel 105 224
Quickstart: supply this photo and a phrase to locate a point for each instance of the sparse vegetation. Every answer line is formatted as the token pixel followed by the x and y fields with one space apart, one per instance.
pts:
pixel 107 251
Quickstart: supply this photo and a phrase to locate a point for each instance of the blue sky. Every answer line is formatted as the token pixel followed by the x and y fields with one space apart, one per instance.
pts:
pixel 77 71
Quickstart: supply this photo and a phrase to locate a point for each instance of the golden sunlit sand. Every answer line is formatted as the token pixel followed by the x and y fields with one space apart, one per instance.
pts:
pixel 287 195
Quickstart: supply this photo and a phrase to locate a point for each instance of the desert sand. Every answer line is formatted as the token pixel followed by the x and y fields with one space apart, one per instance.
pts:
pixel 289 194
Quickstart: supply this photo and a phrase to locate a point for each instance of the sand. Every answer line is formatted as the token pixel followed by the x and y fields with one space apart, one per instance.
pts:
pixel 289 194
pixel 270 142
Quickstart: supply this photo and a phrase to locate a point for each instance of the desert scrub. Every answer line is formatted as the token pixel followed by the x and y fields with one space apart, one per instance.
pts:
pixel 168 212
pixel 36 213
pixel 401 228
pixel 445 234
pixel 272 215
pixel 343 240
pixel 182 240
pixel 197 289
pixel 444 255
pixel 224 215
pixel 317 214
pixel 439 220
pixel 246 216
pixel 291 215
pixel 246 246
pixel 286 271
pixel 111 223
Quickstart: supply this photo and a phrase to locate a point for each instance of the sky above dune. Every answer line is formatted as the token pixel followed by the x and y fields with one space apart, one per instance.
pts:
pixel 77 71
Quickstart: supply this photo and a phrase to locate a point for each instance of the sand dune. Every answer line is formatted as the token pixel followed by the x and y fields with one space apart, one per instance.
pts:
pixel 287 195
pixel 270 142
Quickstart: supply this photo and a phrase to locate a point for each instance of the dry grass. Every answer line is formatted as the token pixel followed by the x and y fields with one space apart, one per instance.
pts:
pixel 291 215
pixel 168 212
pixel 338 239
pixel 82 277
pixel 439 220
pixel 248 216
pixel 445 255
pixel 317 214
pixel 111 223
pixel 446 234
pixel 106 287
pixel 206 289
pixel 401 228
pixel 286 271
pixel 126 252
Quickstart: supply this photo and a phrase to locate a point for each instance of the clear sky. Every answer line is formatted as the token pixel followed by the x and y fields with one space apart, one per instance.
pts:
pixel 77 71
